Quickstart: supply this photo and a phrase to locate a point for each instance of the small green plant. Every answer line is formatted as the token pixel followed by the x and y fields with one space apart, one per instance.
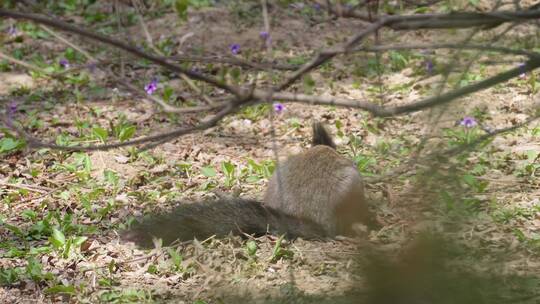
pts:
pixel 399 59
pixel 166 46
pixel 229 170
pixel 532 82
pixel 65 247
pixel 10 144
pixel 10 276
pixel 279 252
pixel 184 169
pixel 100 133
pixel 364 163
pixel 308 84
pixel 298 60
pixel 176 259
pixel 125 296
pixel 61 289
pixel 168 94
pixel 32 30
pixel 530 165
pixel 235 75
pixel 478 186
pixel 468 78
pixel 251 248
pixel 123 130
pixel 466 134
pixel 255 112
pixel 369 67
pixel 254 171
pixel 111 178
pixel 34 271
pixel 208 171
pixel 80 165
pixel 181 7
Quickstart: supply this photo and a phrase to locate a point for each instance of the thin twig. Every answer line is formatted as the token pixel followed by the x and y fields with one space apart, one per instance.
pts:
pixel 121 45
pixel 32 188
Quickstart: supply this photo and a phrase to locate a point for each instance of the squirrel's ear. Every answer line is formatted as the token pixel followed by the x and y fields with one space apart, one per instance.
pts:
pixel 321 136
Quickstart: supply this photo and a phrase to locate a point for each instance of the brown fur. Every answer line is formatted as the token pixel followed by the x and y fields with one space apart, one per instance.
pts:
pixel 321 185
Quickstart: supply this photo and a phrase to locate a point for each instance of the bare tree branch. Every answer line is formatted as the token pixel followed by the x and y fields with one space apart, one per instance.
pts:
pixel 382 111
pixel 162 137
pixel 121 45
pixel 236 61
pixel 449 152
pixel 498 49
pixel 244 97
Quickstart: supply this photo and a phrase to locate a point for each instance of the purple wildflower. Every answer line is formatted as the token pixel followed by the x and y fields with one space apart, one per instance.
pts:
pixel 522 66
pixel 264 35
pixel 64 63
pixel 429 66
pixel 468 122
pixel 278 107
pixel 151 87
pixel 317 6
pixel 12 30
pixel 11 109
pixel 92 66
pixel 235 48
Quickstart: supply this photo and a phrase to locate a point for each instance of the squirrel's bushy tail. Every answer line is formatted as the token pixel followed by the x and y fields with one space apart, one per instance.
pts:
pixel 221 217
pixel 321 136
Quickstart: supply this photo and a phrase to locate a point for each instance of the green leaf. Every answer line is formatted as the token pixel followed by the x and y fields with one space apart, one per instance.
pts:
pixel 235 74
pixel 167 93
pixel 29 214
pixel 339 124
pixel 176 258
pixel 9 276
pixel 181 7
pixel 65 195
pixel 34 269
pixel 469 180
pixel 251 247
pixel 64 289
pixel 126 133
pixel 207 185
pixel 111 177
pixel 253 179
pixel 78 241
pixel 152 269
pixel 100 133
pixel 280 252
pixel 8 144
pixel 228 168
pixel 57 238
pixel 16 230
pixel 208 171
pixel 309 84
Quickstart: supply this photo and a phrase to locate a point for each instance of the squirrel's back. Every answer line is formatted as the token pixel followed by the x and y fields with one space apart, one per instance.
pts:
pixel 321 185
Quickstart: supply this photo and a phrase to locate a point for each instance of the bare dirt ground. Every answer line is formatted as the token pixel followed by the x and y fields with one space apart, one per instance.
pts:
pixel 503 229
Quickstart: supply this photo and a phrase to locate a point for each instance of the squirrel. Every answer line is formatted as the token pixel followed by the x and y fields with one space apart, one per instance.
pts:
pixel 315 194
pixel 321 185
